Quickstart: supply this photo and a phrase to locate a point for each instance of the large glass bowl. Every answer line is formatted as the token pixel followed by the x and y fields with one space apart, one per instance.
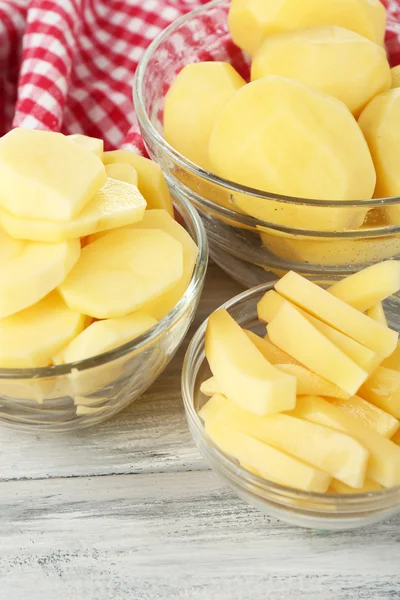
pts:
pixel 81 394
pixel 325 240
pixel 306 509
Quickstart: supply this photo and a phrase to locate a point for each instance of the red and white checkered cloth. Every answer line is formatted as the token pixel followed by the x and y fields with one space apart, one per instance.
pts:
pixel 68 65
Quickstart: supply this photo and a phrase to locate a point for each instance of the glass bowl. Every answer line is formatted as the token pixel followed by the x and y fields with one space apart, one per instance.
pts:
pixel 335 238
pixel 305 509
pixel 84 393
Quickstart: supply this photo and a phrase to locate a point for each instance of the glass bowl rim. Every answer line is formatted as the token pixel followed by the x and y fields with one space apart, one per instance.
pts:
pixel 342 502
pixel 192 291
pixel 230 186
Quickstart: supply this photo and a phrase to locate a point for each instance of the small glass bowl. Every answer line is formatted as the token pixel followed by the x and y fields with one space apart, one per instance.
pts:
pixel 305 509
pixel 333 238
pixel 85 393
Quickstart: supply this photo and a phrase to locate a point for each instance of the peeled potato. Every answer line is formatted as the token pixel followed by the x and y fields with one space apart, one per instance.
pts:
pixel 251 21
pixel 151 184
pixel 115 204
pixel 331 59
pixel 122 272
pixel 30 270
pixel 192 105
pixel 281 136
pixel 45 175
pixel 31 337
pixel 122 172
pixel 380 123
pixel 91 144
pixel 395 72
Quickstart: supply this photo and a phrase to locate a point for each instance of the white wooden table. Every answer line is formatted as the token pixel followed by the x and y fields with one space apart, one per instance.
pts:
pixel 129 511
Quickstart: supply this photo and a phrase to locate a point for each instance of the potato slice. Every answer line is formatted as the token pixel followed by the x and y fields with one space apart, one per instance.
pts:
pixel 333 311
pixel 102 336
pixel 259 140
pixel 212 406
pixel 122 272
pixel 393 361
pixel 372 416
pixel 306 379
pixel 395 73
pixel 319 354
pixel 160 219
pixel 122 172
pixel 152 183
pixel 45 175
pixel 271 303
pixel 340 455
pixel 380 124
pixel 271 464
pixel 243 373
pixel 32 336
pixel 396 438
pixel 334 60
pixel 251 21
pixel 382 388
pixel 210 387
pixel 192 105
pixel 90 144
pixel 338 487
pixel 115 204
pixel 30 270
pixel 384 461
pixel 377 313
pixel 364 289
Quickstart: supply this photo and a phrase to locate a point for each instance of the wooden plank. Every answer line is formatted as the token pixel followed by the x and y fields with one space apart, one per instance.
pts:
pixel 177 535
pixel 150 435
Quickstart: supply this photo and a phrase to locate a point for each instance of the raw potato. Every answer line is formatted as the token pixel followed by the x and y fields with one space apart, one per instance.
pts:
pixel 333 311
pixel 270 463
pixel 273 135
pixel 370 286
pixel 152 184
pixel 380 124
pixel 382 388
pixel 396 438
pixel 251 21
pixel 377 312
pixel 122 272
pixel 271 303
pixel 122 172
pixel 212 406
pixel 45 175
pixel 384 461
pixel 115 204
pixel 338 487
pixel 393 361
pixel 395 72
pixel 319 354
pixel 332 452
pixel 31 337
pixel 30 270
pixel 192 105
pixel 372 416
pixel 90 144
pixel 210 387
pixel 307 381
pixel 243 373
pixel 160 219
pixel 334 60
pixel 102 336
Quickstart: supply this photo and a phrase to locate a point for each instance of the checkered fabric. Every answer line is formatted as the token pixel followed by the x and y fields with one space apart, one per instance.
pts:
pixel 68 65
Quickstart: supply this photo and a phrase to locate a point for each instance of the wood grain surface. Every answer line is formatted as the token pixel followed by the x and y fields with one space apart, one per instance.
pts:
pixel 129 511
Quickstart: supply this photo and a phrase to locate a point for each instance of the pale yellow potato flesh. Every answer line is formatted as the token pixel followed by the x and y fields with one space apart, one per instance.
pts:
pixel 393 361
pixel 122 172
pixel 115 204
pixel 90 144
pixel 210 387
pixel 395 73
pixel 151 184
pixel 382 388
pixel 338 487
pixel 45 175
pixel 384 462
pixel 334 60
pixel 377 312
pixel 212 406
pixel 245 376
pixel 192 104
pixel 251 21
pixel 31 270
pixel 372 416
pixel 122 272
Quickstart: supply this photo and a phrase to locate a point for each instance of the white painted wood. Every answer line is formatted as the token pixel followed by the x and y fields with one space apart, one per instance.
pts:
pixel 177 535
pixel 150 435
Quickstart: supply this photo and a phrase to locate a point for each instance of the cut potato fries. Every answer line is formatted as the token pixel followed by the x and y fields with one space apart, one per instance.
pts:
pixel 349 429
